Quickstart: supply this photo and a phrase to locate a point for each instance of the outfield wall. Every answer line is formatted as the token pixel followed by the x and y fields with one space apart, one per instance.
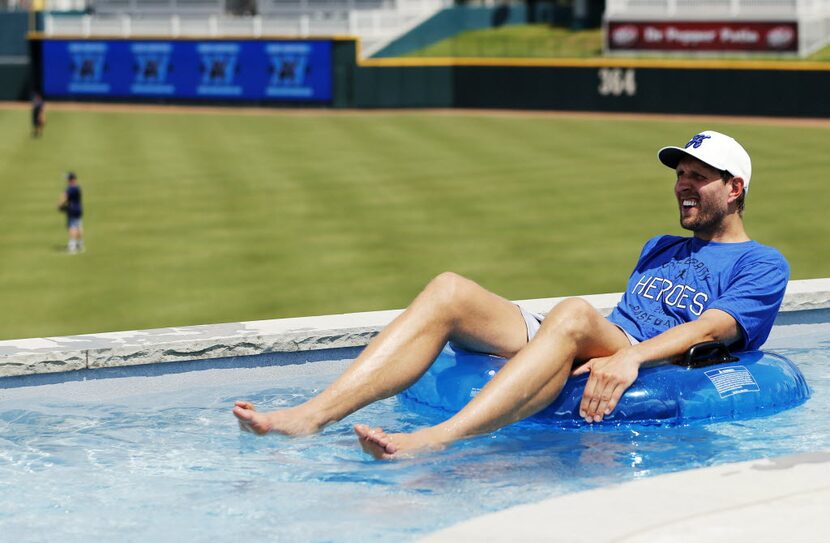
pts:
pixel 757 88
pixel 609 85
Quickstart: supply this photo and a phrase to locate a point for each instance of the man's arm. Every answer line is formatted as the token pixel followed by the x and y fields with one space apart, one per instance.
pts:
pixel 612 375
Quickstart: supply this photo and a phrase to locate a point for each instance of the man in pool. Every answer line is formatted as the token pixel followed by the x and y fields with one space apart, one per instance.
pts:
pixel 717 285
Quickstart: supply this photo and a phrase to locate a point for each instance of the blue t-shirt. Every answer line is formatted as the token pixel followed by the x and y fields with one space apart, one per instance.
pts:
pixel 676 279
pixel 74 208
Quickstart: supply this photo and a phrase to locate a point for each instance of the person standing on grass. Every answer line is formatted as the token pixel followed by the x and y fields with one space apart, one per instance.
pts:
pixel 38 115
pixel 717 285
pixel 70 203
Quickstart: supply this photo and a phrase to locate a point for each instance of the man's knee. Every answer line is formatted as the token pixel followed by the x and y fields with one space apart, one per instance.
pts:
pixel 449 291
pixel 573 318
pixel 448 286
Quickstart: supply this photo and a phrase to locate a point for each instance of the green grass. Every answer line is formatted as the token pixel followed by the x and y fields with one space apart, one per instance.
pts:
pixel 822 55
pixel 544 41
pixel 200 218
pixel 522 41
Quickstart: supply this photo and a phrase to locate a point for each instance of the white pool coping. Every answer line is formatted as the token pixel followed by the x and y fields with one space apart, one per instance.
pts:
pixel 211 341
pixel 772 499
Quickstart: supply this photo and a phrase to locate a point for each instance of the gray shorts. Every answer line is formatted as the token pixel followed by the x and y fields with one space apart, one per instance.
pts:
pixel 629 336
pixel 533 321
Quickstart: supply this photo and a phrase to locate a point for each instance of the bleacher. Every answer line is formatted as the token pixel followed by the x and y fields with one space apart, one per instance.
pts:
pixel 159 7
pixel 268 7
pixel 713 9
pixel 376 22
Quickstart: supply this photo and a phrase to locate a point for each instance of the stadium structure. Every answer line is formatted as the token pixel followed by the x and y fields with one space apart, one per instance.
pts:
pixel 797 27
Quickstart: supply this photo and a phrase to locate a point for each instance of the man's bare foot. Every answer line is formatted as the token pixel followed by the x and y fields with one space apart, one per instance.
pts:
pixel 385 446
pixel 291 421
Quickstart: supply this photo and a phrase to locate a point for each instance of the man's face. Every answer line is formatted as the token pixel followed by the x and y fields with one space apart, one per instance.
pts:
pixel 702 196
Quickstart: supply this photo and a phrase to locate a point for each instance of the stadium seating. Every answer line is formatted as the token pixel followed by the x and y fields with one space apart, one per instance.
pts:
pixel 159 7
pixel 712 9
pixel 376 21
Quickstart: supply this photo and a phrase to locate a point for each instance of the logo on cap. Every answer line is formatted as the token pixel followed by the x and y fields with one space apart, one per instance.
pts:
pixel 696 141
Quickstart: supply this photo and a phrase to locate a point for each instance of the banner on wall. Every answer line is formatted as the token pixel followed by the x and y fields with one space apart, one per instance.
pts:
pixel 193 70
pixel 765 36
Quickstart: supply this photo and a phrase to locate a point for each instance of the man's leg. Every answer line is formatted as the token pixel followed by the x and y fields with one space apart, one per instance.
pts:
pixel 528 383
pixel 73 244
pixel 449 308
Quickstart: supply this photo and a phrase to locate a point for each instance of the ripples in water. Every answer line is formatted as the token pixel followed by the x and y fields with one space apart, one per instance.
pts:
pixel 173 466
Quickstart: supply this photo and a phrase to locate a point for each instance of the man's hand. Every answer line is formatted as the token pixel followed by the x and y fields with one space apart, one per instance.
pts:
pixel 609 378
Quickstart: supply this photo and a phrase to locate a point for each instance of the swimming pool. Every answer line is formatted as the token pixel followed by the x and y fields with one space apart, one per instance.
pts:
pixel 138 455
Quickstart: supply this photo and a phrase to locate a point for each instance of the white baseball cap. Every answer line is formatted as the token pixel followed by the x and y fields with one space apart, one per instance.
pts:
pixel 715 149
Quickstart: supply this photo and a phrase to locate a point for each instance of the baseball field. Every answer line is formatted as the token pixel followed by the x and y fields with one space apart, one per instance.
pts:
pixel 197 216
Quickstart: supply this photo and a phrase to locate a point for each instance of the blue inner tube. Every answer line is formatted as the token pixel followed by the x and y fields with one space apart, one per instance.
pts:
pixel 756 384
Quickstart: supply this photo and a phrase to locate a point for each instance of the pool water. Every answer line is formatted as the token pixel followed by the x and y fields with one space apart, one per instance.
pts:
pixel 161 458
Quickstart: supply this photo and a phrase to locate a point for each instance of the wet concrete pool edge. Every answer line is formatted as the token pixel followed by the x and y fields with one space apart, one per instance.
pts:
pixel 770 499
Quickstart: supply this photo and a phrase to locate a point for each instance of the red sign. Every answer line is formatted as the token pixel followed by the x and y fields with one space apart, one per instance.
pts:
pixel 702 36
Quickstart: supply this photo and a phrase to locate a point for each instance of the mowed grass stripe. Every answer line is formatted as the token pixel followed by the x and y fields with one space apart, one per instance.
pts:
pixel 213 218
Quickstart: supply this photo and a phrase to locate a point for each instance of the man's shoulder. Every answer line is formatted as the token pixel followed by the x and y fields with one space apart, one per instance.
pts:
pixel 758 252
pixel 760 248
pixel 663 241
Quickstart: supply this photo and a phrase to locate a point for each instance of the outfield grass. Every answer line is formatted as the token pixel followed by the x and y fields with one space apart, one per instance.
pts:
pixel 200 218
pixel 544 41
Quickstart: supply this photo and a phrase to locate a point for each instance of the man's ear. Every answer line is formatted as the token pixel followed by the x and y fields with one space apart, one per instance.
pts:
pixel 736 188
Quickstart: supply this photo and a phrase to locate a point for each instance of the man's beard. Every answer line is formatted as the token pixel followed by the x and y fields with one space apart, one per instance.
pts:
pixel 707 220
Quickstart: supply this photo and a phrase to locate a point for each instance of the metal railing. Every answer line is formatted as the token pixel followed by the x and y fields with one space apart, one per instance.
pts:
pixel 350 23
pixel 714 9
pixel 157 7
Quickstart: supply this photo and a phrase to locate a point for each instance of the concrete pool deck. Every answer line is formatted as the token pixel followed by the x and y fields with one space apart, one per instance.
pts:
pixel 763 500
pixel 777 499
